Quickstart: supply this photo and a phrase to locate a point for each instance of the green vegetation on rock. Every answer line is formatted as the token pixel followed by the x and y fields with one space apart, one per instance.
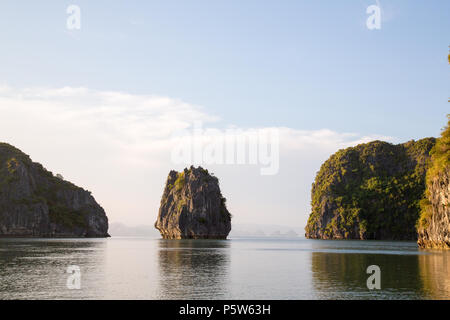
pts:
pixel 371 191
pixel 440 162
pixel 67 217
pixel 193 207
pixel 34 202
pixel 440 154
pixel 179 183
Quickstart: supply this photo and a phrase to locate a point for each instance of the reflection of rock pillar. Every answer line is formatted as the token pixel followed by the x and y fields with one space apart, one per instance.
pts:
pixel 194 269
pixel 435 274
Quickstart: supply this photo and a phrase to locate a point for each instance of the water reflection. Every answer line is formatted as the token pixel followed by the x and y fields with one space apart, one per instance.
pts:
pixel 143 268
pixel 343 275
pixel 193 269
pixel 36 269
pixel 435 274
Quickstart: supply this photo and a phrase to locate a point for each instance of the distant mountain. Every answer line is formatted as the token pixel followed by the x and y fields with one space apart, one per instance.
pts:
pixel 243 230
pixel 260 230
pixel 122 230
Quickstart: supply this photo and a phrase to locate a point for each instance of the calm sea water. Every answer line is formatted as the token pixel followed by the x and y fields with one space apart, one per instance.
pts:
pixel 143 268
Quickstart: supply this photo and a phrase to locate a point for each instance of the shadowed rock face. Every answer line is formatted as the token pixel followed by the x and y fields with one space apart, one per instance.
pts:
pixel 34 203
pixel 192 207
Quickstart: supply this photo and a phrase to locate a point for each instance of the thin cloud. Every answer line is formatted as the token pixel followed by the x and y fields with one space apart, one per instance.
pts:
pixel 118 145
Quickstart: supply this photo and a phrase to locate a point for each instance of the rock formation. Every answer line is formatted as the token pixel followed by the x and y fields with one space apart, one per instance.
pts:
pixel 434 224
pixel 35 203
pixel 192 207
pixel 434 232
pixel 371 191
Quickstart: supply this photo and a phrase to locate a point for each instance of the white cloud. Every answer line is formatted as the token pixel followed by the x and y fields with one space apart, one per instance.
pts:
pixel 118 146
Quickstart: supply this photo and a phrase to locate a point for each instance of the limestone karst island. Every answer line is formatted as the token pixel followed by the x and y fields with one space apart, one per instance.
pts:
pixel 35 203
pixel 373 191
pixel 192 207
pixel 383 191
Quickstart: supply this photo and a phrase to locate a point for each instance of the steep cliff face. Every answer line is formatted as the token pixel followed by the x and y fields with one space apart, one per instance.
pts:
pixel 434 224
pixel 435 231
pixel 34 203
pixel 192 207
pixel 371 191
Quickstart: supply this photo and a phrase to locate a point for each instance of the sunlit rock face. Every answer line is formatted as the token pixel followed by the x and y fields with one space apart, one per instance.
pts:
pixel 436 230
pixel 192 207
pixel 434 223
pixel 35 203
pixel 370 191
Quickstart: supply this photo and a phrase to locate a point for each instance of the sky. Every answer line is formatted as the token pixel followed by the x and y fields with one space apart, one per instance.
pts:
pixel 100 104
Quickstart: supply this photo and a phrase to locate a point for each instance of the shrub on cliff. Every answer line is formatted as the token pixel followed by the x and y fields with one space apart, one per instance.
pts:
pixel 192 207
pixel 34 202
pixel 440 161
pixel 371 191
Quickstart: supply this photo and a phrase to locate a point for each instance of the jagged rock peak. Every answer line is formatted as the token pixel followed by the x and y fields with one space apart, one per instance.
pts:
pixel 192 207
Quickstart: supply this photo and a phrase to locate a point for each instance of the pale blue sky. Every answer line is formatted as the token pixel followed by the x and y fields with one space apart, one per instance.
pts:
pixel 310 68
pixel 301 64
